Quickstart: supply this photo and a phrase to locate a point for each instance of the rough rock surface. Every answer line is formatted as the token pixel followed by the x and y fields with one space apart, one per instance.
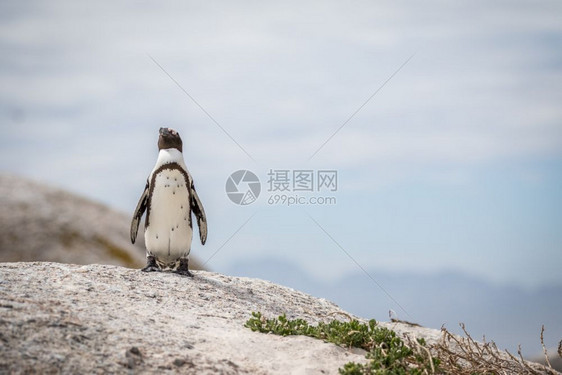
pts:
pixel 99 318
pixel 41 223
pixel 64 318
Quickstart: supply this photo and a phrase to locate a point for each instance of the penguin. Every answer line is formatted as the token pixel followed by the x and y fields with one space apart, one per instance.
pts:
pixel 169 198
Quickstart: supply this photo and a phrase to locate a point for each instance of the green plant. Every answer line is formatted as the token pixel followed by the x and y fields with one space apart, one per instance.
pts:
pixel 390 355
pixel 387 353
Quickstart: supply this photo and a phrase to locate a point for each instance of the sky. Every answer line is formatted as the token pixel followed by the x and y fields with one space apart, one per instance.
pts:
pixel 442 121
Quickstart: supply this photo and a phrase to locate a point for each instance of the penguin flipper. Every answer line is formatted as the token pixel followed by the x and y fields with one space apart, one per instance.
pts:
pixel 197 208
pixel 139 211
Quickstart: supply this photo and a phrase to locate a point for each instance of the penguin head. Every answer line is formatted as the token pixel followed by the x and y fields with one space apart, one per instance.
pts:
pixel 169 138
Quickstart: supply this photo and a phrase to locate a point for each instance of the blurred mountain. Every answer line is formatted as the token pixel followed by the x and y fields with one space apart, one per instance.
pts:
pixel 43 223
pixel 506 315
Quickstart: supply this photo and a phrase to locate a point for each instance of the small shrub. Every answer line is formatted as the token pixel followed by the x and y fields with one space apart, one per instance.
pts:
pixel 387 353
pixel 390 355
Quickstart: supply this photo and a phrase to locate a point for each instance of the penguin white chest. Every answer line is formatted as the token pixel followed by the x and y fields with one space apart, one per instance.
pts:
pixel 169 233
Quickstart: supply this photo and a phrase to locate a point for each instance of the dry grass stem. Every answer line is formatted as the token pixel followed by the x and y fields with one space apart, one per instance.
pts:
pixel 544 348
pixel 465 356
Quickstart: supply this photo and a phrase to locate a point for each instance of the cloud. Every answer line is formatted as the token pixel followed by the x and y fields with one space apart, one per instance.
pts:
pixel 80 100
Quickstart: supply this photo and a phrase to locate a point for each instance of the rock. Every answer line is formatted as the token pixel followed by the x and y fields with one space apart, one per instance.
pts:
pixel 133 357
pixel 102 318
pixel 41 223
pixel 64 318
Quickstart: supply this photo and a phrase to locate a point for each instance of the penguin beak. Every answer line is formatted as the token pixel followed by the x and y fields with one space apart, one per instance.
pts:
pixel 167 131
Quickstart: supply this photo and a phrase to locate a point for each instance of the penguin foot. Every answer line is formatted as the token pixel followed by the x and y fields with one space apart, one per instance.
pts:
pixel 150 269
pixel 150 265
pixel 183 268
pixel 184 273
